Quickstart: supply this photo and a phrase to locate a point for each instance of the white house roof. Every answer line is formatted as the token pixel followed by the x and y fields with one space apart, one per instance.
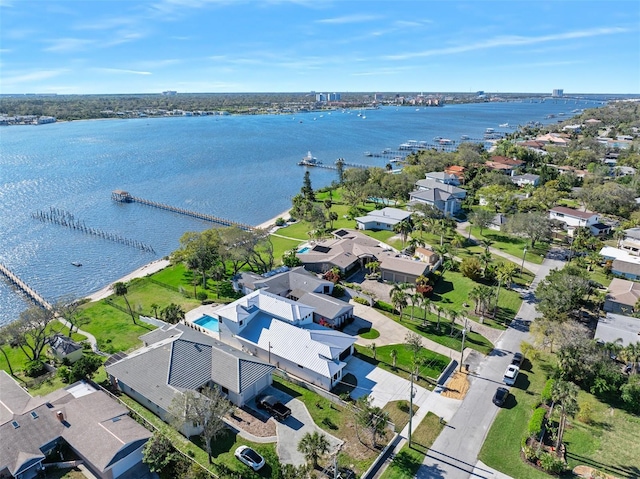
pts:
pixel 387 215
pixel 620 255
pixel 259 300
pixel 314 347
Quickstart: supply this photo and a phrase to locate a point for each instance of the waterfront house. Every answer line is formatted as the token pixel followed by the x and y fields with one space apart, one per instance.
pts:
pixel 283 332
pixel 62 347
pixel 622 296
pixel 427 256
pixel 179 358
pixel 384 219
pixel 351 250
pixel 94 427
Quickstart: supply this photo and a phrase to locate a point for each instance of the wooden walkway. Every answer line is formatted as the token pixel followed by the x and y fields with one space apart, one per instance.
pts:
pixel 125 197
pixel 24 287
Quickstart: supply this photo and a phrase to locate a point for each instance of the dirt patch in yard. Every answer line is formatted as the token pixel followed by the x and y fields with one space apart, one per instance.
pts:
pixel 457 386
pixel 247 420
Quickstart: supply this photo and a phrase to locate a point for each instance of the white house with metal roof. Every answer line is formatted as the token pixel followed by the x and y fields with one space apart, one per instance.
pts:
pixel 282 332
pixel 384 219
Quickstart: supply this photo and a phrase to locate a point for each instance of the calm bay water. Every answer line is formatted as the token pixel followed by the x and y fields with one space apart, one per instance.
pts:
pixel 237 167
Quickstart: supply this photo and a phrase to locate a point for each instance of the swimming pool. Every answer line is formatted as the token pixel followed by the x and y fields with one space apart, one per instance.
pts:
pixel 208 322
pixel 303 250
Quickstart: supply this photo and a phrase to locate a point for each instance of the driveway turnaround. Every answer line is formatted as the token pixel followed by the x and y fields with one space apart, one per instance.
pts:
pixel 291 430
pixel 382 385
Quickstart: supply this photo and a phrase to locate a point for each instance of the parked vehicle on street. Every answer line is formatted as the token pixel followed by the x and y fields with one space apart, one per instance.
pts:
pixel 274 407
pixel 251 458
pixel 500 396
pixel 511 374
pixel 517 359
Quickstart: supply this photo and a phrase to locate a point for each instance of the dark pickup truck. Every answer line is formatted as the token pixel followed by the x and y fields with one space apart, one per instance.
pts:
pixel 274 407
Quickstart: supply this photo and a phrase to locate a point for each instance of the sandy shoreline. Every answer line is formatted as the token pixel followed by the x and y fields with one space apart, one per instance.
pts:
pixel 160 264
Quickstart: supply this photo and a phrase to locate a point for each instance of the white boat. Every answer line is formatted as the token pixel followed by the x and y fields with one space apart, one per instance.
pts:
pixel 76 263
pixel 446 141
pixel 464 137
pixel 504 125
pixel 309 160
pixel 489 130
pixel 364 117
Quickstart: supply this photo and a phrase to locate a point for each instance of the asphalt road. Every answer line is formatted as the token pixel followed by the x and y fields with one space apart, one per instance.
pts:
pixel 454 454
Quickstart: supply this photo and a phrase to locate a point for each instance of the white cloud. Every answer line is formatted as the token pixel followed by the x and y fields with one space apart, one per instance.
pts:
pixel 67 44
pixel 19 79
pixel 508 41
pixel 123 37
pixel 356 18
pixel 121 71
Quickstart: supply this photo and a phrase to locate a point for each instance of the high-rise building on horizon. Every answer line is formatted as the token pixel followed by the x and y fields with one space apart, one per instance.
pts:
pixel 557 93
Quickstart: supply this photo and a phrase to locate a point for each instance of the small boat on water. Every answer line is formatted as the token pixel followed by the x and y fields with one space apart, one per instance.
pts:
pixel 464 137
pixel 504 125
pixel 76 263
pixel 309 160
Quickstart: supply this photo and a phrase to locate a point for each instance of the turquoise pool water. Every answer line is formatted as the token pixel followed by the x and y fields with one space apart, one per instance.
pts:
pixel 208 322
pixel 303 250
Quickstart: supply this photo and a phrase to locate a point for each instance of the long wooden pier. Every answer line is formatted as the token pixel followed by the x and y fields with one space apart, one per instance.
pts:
pixel 125 197
pixel 24 287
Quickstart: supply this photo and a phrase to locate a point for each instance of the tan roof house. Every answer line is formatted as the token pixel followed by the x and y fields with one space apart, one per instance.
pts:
pixel 622 296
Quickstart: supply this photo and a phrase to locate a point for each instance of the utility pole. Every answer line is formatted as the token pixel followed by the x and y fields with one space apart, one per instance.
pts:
pixel 464 335
pixel 410 407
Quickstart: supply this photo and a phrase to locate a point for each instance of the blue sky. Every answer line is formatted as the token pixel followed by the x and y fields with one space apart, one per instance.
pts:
pixel 147 46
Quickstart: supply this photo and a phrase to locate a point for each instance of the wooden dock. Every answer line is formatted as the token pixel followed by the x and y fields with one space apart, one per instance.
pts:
pixel 25 288
pixel 124 197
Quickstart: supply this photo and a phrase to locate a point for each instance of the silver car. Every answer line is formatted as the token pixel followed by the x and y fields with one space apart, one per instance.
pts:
pixel 250 457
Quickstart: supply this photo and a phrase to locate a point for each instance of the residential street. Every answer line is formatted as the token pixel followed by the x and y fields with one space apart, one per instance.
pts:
pixel 454 454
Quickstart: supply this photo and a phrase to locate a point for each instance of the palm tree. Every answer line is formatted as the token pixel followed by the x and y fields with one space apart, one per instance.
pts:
pixel 154 308
pixel 426 306
pixel 440 310
pixel 415 243
pixel 399 300
pixel 313 445
pixel 453 316
pixel 564 393
pixel 485 259
pixel 373 266
pixel 374 350
pixel 415 298
pixel 394 356
pixel 121 289
pixel 173 313
pixel 631 354
pixel 505 273
pixel 403 229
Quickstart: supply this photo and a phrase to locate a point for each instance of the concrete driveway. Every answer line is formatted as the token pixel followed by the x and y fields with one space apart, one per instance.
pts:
pixel 382 386
pixel 291 431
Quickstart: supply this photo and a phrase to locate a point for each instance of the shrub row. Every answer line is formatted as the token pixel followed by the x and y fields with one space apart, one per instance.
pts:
pixel 536 421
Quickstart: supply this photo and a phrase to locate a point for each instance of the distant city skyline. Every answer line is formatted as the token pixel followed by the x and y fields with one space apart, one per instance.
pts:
pixel 220 46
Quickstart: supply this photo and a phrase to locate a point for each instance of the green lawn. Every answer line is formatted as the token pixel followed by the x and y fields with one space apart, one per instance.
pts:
pixel 432 364
pixel 407 462
pixel 609 442
pixel 452 291
pixel 513 245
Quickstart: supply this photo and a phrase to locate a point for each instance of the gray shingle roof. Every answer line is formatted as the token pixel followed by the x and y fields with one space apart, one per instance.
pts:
pixel 96 426
pixel 326 306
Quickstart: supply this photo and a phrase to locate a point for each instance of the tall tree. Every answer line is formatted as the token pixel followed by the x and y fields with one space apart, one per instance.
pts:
pixel 505 273
pixel 121 289
pixel 4 342
pixel 313 446
pixel 307 190
pixel 535 226
pixel 399 298
pixel 69 308
pixel 30 332
pixel 481 218
pixel 403 228
pixel 199 251
pixel 205 409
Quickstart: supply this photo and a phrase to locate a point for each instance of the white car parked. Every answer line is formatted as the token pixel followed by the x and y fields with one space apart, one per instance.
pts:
pixel 511 374
pixel 249 457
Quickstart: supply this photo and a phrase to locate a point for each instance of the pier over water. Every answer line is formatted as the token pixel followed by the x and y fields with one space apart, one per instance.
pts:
pixel 25 288
pixel 125 197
